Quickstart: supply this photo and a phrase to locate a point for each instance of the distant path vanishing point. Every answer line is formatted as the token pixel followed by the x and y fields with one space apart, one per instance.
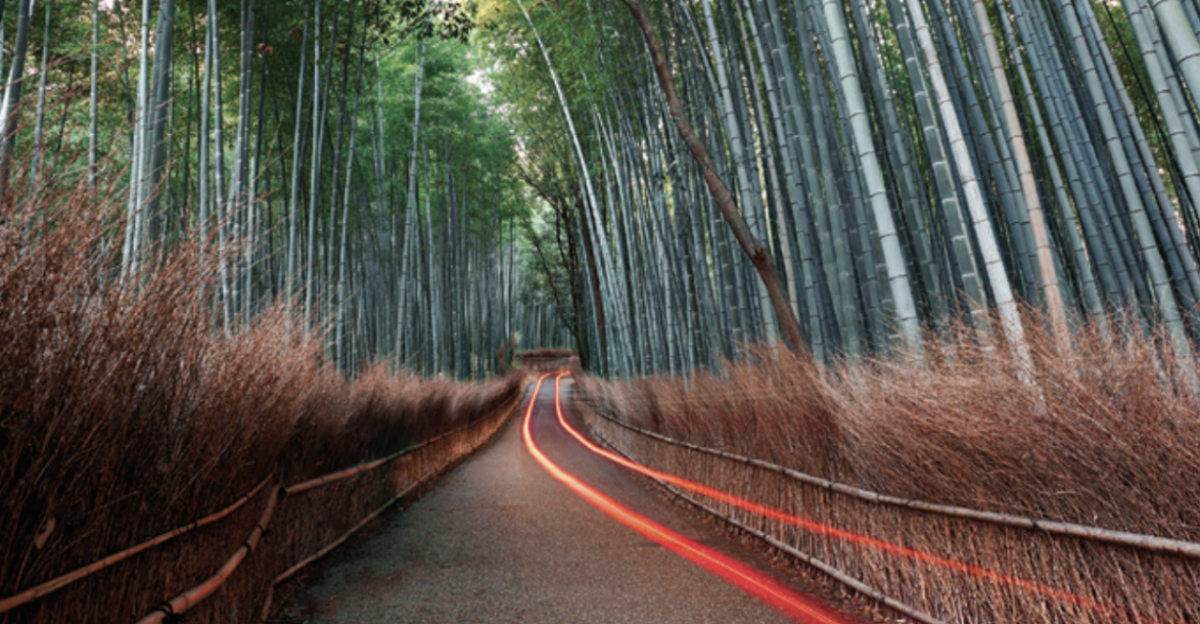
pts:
pixel 502 540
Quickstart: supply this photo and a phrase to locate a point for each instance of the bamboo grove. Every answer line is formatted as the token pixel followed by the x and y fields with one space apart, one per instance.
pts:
pixel 334 155
pixel 910 166
pixel 904 167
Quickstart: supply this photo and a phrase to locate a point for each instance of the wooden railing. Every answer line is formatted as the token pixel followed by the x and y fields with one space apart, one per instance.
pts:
pixel 441 451
pixel 935 563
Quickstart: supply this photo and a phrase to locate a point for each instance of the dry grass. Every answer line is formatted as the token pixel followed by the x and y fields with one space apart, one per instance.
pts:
pixel 545 360
pixel 1108 437
pixel 123 414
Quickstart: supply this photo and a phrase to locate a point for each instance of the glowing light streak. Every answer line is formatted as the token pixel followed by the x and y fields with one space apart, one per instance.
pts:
pixel 764 588
pixel 818 528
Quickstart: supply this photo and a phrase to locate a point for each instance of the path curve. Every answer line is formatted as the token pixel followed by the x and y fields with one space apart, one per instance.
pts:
pixel 499 540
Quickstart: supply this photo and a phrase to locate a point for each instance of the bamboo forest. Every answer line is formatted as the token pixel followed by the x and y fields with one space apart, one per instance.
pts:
pixel 843 275
pixel 895 167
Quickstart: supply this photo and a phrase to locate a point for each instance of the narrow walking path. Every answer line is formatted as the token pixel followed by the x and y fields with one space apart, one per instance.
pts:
pixel 500 540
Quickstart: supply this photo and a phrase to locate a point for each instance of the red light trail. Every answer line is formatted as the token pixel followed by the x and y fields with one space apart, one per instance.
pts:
pixel 766 589
pixel 816 527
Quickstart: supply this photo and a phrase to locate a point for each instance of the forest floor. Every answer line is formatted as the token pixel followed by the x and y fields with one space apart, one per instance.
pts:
pixel 499 540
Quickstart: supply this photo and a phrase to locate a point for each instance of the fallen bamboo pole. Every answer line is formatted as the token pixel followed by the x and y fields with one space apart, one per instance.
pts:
pixel 55 584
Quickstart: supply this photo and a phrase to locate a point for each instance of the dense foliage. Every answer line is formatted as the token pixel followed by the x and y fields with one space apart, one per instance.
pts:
pixel 905 164
pixel 285 134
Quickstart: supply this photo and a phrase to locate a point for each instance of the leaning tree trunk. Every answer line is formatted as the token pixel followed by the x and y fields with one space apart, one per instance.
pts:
pixel 757 253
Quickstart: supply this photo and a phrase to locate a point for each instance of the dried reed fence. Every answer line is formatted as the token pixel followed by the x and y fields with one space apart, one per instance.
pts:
pixel 1109 439
pixel 547 360
pixel 288 528
pixel 127 412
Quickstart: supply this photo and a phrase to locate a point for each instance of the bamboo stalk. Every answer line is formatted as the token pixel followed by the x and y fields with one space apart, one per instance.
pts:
pixel 1045 258
pixel 757 253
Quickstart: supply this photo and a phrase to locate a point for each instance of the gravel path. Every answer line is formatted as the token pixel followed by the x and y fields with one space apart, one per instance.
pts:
pixel 499 540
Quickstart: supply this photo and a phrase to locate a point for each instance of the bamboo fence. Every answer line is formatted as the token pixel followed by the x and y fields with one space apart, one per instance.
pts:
pixel 301 506
pixel 932 562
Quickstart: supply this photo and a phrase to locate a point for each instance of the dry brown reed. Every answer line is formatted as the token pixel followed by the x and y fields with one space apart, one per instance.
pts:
pixel 125 412
pixel 545 360
pixel 1106 436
